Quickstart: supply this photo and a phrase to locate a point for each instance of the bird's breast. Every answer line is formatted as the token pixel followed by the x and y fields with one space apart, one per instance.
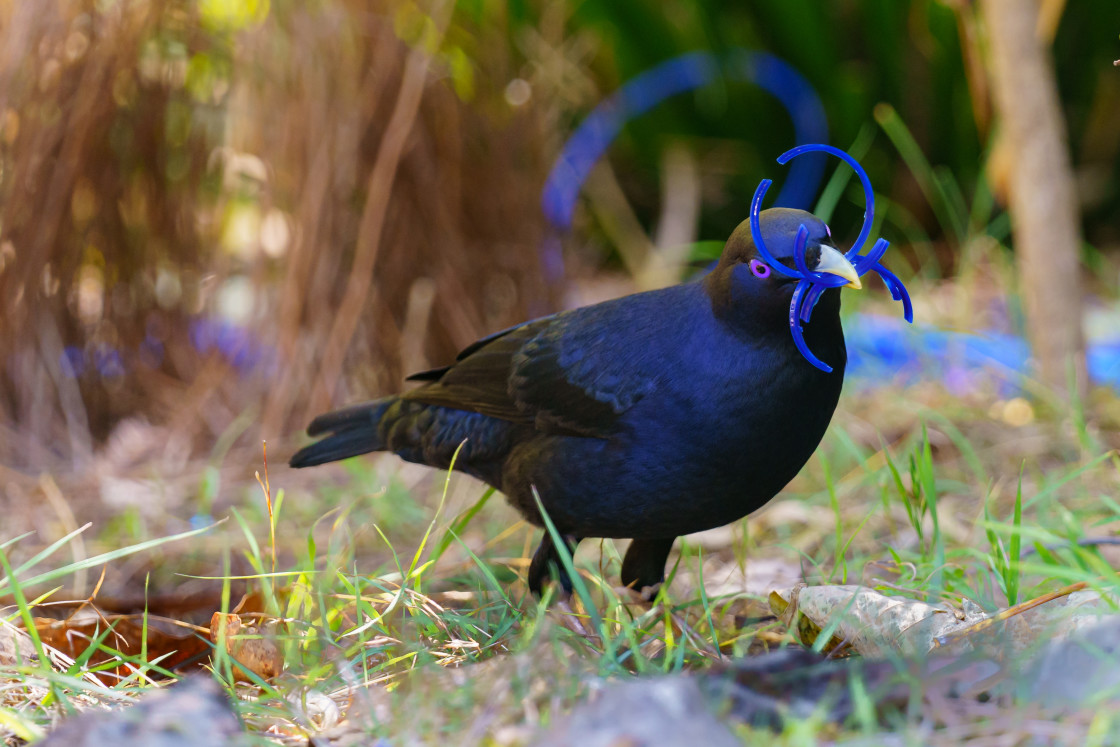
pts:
pixel 722 444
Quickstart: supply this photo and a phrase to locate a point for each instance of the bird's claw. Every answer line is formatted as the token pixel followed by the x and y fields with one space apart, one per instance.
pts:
pixel 645 595
pixel 572 620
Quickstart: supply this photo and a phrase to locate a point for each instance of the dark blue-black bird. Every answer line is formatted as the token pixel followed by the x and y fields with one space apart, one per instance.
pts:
pixel 646 417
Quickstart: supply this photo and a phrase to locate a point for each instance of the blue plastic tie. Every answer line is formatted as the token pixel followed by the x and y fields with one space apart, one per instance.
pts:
pixel 811 285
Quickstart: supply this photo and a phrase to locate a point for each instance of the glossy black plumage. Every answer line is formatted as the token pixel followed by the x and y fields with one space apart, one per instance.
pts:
pixel 646 417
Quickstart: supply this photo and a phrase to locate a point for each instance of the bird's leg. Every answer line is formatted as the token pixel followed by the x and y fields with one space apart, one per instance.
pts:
pixel 544 558
pixel 643 568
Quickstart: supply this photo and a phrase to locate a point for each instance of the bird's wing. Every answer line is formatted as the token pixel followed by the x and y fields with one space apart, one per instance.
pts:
pixel 479 380
pixel 561 374
pixel 434 374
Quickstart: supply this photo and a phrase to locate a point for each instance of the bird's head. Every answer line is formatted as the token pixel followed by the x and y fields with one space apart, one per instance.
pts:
pixel 781 255
pixel 745 284
pixel 779 228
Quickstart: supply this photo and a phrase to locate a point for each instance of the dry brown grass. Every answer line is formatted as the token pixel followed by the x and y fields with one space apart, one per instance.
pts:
pixel 354 172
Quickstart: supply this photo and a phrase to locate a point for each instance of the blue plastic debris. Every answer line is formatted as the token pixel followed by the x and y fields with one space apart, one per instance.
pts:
pixel 641 93
pixel 811 284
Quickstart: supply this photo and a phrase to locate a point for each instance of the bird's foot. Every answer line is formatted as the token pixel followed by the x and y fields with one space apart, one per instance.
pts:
pixel 643 567
pixel 572 620
pixel 645 596
pixel 545 559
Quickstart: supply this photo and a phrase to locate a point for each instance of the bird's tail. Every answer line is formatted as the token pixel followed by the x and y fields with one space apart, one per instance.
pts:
pixel 352 431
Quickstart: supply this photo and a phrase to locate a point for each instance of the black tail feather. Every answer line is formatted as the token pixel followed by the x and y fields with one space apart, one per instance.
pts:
pixel 353 431
pixel 355 416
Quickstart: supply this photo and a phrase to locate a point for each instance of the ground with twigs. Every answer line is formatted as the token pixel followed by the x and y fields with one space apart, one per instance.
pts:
pixel 393 596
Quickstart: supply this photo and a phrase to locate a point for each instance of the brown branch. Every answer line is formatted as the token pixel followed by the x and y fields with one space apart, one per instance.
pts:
pixel 1043 205
pixel 378 192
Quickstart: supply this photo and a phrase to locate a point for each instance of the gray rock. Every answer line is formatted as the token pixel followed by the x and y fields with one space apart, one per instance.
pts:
pixel 192 713
pixel 1078 670
pixel 663 711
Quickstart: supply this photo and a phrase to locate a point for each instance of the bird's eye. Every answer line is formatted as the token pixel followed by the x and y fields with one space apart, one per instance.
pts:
pixel 760 269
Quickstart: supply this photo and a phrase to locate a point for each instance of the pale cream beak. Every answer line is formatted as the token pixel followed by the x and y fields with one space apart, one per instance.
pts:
pixel 835 263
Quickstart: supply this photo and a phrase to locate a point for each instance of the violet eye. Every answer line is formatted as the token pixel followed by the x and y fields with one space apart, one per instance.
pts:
pixel 760 269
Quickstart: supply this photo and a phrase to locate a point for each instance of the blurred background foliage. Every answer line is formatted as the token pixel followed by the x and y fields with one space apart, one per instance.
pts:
pixel 218 217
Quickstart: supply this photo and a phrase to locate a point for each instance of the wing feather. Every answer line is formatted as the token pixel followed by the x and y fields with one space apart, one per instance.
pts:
pixel 573 373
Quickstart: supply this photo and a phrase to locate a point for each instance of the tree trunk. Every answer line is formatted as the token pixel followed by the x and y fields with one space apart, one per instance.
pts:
pixel 1044 214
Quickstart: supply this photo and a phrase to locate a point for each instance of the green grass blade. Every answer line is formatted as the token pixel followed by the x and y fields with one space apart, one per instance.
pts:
pixel 838 182
pixel 569 567
pixel 460 523
pixel 952 223
pixel 105 557
pixel 412 569
pixel 1014 551
pixel 51 549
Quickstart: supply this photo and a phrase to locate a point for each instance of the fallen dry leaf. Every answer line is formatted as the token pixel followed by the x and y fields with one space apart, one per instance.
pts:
pixel 175 644
pixel 250 646
pixel 873 624
pixel 877 625
pixel 16 648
